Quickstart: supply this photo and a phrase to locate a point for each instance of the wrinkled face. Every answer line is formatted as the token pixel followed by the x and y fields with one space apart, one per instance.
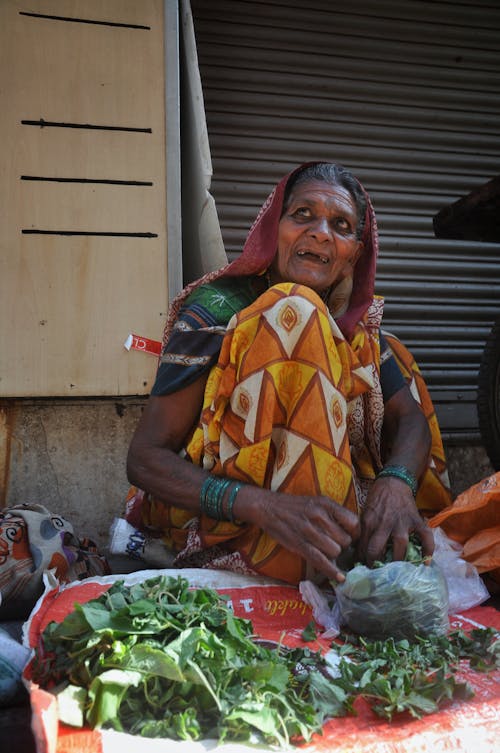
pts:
pixel 317 244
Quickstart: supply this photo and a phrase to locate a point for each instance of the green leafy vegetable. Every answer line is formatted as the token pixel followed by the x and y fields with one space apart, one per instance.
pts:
pixel 163 660
pixel 417 677
pixel 160 659
pixel 309 632
pixel 413 553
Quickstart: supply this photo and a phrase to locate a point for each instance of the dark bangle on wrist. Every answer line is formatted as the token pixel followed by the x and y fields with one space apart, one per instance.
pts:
pixel 401 472
pixel 213 494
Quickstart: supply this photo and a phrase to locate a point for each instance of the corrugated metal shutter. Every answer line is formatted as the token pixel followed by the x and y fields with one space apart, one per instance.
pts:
pixel 407 95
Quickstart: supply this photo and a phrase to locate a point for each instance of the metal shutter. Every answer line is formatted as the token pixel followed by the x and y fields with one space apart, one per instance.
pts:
pixel 407 95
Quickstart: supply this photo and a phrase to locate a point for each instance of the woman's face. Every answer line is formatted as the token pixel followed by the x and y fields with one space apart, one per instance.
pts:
pixel 317 244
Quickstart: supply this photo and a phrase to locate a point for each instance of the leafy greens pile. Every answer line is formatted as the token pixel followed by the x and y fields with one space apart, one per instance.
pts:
pixel 418 676
pixel 160 659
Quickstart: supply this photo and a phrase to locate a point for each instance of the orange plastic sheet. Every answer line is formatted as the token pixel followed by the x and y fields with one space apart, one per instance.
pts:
pixel 474 521
pixel 278 613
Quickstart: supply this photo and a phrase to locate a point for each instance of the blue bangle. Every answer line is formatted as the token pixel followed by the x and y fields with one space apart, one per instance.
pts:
pixel 401 472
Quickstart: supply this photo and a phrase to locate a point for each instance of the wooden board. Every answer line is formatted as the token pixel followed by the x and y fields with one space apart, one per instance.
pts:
pixel 83 200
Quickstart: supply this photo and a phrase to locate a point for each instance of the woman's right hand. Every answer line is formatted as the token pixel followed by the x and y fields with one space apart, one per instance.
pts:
pixel 316 528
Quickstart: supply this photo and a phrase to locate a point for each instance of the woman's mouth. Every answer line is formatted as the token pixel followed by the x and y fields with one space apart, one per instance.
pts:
pixel 313 255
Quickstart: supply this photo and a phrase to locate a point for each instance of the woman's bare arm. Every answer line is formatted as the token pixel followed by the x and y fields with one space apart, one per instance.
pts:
pixel 153 463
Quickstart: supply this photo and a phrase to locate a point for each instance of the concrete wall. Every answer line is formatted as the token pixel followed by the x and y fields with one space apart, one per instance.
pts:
pixel 70 456
pixel 467 464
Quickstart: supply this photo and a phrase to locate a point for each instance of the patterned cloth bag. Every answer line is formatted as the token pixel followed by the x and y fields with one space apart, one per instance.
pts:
pixel 34 540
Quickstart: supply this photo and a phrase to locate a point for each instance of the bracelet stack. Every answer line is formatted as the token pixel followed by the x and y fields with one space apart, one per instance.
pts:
pixel 401 472
pixel 212 495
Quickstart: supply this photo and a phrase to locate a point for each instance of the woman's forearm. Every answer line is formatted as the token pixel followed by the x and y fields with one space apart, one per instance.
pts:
pixel 407 434
pixel 165 475
pixel 153 460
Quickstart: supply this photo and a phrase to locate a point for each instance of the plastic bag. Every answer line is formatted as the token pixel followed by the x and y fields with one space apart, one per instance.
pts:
pixel 465 587
pixel 13 659
pixel 398 600
pixel 324 613
pixel 130 541
pixel 473 521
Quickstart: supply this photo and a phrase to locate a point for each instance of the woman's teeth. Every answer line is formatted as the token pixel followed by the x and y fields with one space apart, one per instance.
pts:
pixel 323 259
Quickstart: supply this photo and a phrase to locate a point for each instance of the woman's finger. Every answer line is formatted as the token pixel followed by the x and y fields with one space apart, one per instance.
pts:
pixel 426 537
pixel 324 564
pixel 348 520
pixel 400 544
pixel 375 548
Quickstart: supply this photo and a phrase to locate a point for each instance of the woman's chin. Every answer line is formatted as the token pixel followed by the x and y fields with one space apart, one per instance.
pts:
pixel 318 284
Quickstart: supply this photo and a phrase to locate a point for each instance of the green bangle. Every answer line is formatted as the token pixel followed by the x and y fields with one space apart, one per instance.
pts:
pixel 231 500
pixel 212 495
pixel 401 472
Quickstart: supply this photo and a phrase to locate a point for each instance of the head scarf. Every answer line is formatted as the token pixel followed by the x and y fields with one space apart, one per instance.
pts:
pixel 260 248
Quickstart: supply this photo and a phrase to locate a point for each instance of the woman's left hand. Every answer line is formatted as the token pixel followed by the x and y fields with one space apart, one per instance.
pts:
pixel 390 513
pixel 390 516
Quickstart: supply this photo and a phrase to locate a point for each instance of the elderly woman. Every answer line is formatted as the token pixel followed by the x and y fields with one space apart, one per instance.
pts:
pixel 283 425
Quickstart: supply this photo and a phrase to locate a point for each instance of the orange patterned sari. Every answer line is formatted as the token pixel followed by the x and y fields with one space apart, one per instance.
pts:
pixel 290 406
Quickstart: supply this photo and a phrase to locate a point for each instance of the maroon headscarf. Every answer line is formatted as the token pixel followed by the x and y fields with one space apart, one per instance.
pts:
pixel 260 248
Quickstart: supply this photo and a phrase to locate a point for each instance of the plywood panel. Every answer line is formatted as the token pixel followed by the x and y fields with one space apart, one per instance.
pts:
pixel 71 76
pixel 113 11
pixel 91 207
pixel 69 324
pixel 86 153
pixel 67 303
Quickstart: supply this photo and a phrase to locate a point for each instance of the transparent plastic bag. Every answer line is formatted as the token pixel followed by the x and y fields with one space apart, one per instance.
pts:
pixel 324 613
pixel 399 600
pixel 402 596
pixel 465 587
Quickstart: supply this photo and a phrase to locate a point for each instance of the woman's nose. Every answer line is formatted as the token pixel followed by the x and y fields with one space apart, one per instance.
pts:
pixel 320 229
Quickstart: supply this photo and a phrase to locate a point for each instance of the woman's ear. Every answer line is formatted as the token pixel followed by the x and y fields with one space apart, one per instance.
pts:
pixel 359 250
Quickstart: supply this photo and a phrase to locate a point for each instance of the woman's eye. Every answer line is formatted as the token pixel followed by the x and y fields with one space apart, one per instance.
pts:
pixel 342 224
pixel 302 212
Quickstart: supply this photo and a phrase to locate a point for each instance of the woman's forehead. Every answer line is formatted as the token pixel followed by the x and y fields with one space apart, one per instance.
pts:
pixel 320 192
